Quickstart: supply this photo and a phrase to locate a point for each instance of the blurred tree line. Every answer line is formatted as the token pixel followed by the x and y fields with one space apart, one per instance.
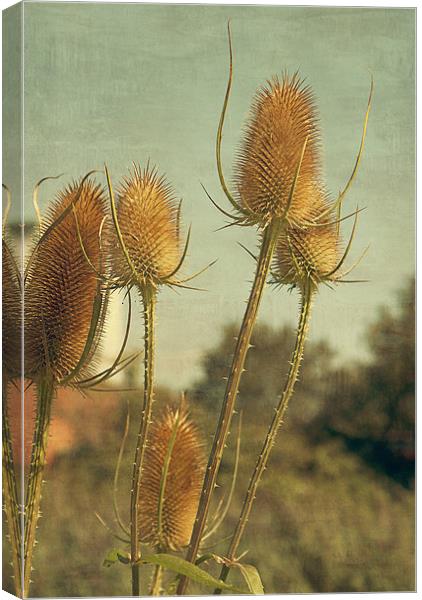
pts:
pixel 370 406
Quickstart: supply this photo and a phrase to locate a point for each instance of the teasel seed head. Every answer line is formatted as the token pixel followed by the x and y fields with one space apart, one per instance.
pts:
pixel 148 218
pixel 310 254
pixel 11 313
pixel 282 127
pixel 64 296
pixel 314 254
pixel 174 445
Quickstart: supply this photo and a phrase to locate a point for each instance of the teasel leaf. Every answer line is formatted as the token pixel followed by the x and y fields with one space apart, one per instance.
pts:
pixel 193 572
pixel 251 576
pixel 115 555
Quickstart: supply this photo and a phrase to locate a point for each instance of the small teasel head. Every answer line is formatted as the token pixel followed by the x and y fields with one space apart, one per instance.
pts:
pixel 148 251
pixel 65 298
pixel 171 480
pixel 313 254
pixel 148 218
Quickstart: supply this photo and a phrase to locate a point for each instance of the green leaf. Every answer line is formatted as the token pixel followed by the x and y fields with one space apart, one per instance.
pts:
pixel 251 576
pixel 183 567
pixel 116 555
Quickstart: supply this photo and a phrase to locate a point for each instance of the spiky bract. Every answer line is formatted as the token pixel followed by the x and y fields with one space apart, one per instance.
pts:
pixel 148 216
pixel 11 313
pixel 283 118
pixel 61 285
pixel 183 483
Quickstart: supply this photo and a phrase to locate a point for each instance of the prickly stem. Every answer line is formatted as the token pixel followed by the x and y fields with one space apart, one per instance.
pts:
pixel 307 298
pixel 45 391
pixel 10 495
pixel 149 300
pixel 266 253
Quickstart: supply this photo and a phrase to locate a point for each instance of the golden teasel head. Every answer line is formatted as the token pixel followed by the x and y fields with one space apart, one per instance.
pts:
pixel 11 313
pixel 148 220
pixel 65 298
pixel 278 163
pixel 282 133
pixel 171 480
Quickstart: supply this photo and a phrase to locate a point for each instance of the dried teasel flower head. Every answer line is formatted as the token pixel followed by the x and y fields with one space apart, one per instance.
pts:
pixel 11 313
pixel 278 163
pixel 312 254
pixel 65 298
pixel 171 480
pixel 281 135
pixel 148 219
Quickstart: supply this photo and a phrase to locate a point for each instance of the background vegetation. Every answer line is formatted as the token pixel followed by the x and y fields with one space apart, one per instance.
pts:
pixel 335 512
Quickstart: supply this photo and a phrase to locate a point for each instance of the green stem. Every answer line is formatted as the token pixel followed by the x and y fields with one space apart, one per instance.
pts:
pixel 156 581
pixel 10 495
pixel 272 432
pixel 45 393
pixel 269 241
pixel 149 301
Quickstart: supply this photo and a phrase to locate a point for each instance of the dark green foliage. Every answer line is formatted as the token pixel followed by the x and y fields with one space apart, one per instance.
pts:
pixel 372 406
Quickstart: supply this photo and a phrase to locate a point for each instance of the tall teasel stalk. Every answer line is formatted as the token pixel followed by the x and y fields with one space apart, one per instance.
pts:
pixel 305 258
pixel 148 255
pixel 65 308
pixel 276 167
pixel 11 362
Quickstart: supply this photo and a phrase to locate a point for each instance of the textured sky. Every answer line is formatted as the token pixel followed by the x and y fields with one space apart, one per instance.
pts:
pixel 122 83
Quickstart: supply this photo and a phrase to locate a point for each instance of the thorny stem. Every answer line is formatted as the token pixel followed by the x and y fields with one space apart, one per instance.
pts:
pixel 10 495
pixel 36 470
pixel 149 301
pixel 307 297
pixel 243 343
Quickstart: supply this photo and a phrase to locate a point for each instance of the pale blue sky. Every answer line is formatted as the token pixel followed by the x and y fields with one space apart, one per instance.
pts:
pixel 122 83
